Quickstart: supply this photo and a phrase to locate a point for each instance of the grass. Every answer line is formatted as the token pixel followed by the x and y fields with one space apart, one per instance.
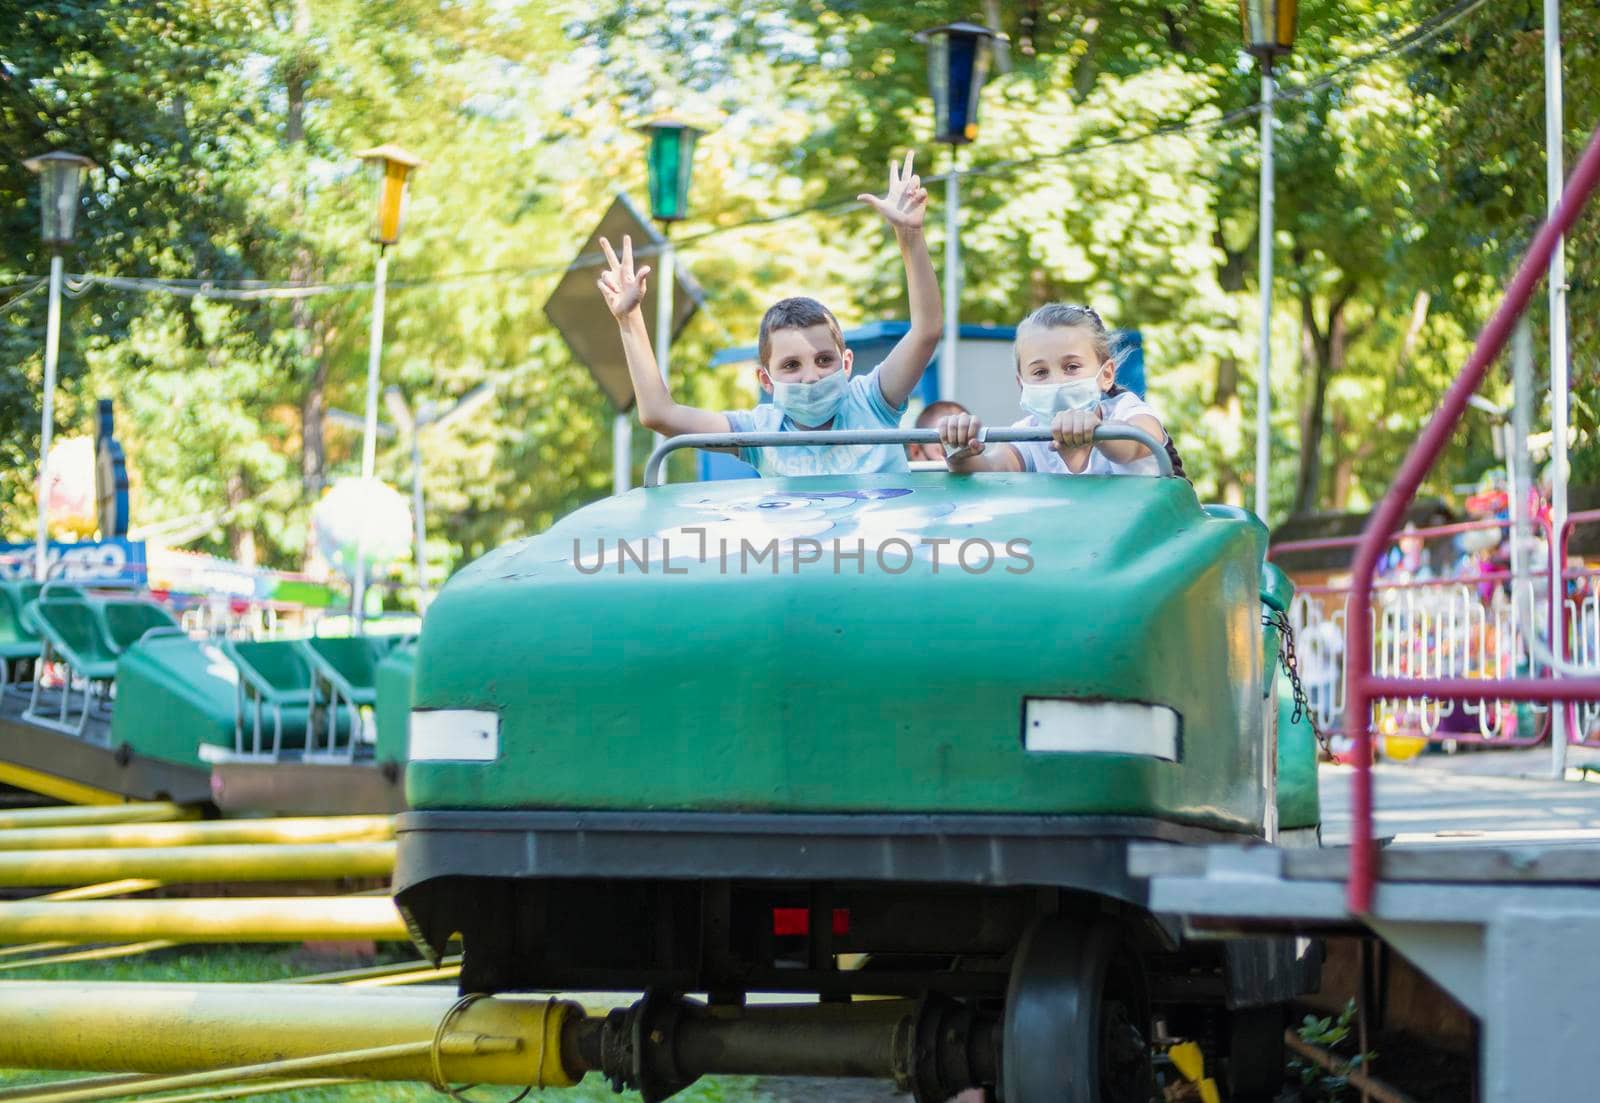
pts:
pixel 241 964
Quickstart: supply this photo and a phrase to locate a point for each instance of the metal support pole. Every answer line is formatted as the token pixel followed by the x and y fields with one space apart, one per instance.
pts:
pixel 621 453
pixel 664 276
pixel 287 830
pixel 1520 466
pixel 229 919
pixel 52 347
pixel 84 816
pixel 369 438
pixel 419 525
pixel 1553 138
pixel 949 350
pixel 180 1028
pixel 1264 366
pixel 174 864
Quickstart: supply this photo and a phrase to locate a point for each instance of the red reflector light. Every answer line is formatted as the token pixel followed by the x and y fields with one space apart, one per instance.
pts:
pixel 788 922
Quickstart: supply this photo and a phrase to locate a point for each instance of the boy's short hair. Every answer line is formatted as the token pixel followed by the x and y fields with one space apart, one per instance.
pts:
pixel 798 312
pixel 935 410
pixel 1066 316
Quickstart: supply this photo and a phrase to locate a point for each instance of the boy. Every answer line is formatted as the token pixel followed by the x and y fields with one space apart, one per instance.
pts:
pixel 803 362
pixel 931 416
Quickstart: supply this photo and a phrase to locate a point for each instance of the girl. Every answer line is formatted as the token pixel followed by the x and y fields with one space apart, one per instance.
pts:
pixel 1068 382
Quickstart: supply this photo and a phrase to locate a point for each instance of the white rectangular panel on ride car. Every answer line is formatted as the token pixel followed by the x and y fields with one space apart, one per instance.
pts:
pixel 1057 725
pixel 454 735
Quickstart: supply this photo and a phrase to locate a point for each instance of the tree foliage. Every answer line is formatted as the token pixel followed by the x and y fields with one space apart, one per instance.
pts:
pixel 1116 163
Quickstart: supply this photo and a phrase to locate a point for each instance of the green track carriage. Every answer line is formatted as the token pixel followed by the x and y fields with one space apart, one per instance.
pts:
pixel 177 701
pixel 396 673
pixel 887 735
pixel 266 701
pixel 19 639
pixel 114 695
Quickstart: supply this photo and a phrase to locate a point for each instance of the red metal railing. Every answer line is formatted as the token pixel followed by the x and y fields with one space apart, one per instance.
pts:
pixel 1558 554
pixel 1445 616
pixel 1328 543
pixel 1362 687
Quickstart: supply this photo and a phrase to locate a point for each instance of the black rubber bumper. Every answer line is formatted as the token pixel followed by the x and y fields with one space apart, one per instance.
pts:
pixel 1074 852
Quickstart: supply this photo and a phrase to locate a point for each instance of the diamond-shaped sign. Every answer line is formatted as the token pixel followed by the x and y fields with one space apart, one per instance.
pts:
pixel 580 314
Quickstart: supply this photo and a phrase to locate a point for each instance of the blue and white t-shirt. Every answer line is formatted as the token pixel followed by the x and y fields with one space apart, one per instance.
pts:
pixel 864 407
pixel 1042 456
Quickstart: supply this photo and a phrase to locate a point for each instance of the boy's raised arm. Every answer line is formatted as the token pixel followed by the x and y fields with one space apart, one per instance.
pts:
pixel 903 209
pixel 623 290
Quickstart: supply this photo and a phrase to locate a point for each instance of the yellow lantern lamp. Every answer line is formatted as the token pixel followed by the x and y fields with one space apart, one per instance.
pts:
pixel 1269 27
pixel 390 167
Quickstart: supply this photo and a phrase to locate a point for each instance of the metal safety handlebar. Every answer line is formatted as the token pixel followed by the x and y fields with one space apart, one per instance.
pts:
pixel 652 469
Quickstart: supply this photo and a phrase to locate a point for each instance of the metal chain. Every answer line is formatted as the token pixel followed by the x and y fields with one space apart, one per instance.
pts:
pixel 1272 618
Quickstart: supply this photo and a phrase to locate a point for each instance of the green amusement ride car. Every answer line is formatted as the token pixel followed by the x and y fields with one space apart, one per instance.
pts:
pixel 886 736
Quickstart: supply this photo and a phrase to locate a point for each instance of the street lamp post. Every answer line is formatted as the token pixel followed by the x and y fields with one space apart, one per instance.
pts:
pixel 60 175
pixel 426 416
pixel 390 165
pixel 958 63
pixel 671 163
pixel 1561 719
pixel 400 411
pixel 1269 27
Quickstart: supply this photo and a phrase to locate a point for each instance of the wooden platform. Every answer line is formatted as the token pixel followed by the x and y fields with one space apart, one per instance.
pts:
pixel 1488 798
pixel 1489 883
pixel 87 770
pixel 90 770
pixel 308 788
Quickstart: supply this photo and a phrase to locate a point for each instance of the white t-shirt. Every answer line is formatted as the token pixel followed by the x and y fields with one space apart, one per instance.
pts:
pixel 1042 456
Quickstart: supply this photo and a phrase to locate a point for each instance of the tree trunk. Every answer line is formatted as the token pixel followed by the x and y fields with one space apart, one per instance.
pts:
pixel 1225 393
pixel 309 343
pixel 1027 27
pixel 313 408
pixel 1177 41
pixel 1349 458
pixel 1344 468
pixel 1225 400
pixel 1087 71
pixel 1002 45
pixel 241 537
pixel 1322 355
pixel 1419 318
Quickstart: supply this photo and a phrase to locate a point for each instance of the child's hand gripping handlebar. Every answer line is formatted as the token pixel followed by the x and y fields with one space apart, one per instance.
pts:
pixel 1108 431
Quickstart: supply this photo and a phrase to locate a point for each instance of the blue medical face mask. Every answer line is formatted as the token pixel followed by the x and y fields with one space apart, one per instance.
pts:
pixel 1045 400
pixel 812 403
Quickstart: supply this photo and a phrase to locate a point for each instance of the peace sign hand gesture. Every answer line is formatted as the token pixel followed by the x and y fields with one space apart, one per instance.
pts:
pixel 621 286
pixel 907 200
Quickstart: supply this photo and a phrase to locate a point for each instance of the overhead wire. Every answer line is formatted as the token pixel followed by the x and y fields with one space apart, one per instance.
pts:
pixel 1424 32
pixel 17 298
pixel 266 290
